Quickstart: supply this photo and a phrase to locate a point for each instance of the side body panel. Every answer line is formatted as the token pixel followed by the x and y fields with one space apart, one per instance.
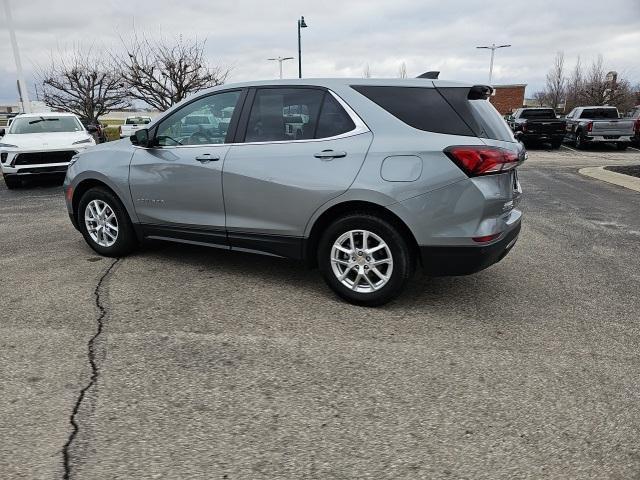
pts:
pixel 171 187
pixel 274 188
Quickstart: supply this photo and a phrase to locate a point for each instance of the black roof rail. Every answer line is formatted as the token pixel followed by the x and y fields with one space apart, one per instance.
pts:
pixel 429 75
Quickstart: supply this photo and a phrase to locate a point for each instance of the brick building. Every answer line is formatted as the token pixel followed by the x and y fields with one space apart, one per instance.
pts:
pixel 508 97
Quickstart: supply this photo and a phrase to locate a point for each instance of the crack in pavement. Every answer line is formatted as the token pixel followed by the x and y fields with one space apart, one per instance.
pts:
pixel 95 373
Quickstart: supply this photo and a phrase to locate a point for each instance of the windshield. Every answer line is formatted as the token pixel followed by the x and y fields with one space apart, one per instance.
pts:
pixel 45 124
pixel 538 113
pixel 598 113
pixel 137 120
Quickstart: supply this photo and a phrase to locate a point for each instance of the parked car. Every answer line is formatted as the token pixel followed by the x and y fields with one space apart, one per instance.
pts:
pixel 39 144
pixel 95 129
pixel 537 125
pixel 385 174
pixel 586 125
pixel 635 115
pixel 132 125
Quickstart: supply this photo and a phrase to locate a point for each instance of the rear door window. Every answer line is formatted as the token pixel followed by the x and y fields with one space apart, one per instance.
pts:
pixel 281 114
pixel 333 119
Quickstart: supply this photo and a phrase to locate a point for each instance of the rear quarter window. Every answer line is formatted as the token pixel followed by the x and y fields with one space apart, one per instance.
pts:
pixel 420 107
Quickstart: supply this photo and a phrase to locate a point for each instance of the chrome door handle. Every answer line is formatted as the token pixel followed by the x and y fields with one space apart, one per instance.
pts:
pixel 330 154
pixel 206 158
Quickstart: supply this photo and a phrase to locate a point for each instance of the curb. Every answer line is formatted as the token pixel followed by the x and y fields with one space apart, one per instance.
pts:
pixel 620 179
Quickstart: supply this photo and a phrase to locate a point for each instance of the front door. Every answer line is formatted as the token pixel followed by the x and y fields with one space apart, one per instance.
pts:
pixel 177 186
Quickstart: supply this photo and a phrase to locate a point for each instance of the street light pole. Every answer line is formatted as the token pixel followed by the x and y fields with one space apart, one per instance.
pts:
pixel 280 60
pixel 493 47
pixel 26 104
pixel 301 24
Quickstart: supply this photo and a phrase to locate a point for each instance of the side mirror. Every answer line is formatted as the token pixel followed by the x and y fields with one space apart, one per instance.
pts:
pixel 141 138
pixel 2 132
pixel 92 129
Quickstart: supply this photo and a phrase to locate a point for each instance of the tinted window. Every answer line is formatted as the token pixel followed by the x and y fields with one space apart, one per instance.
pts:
pixel 202 122
pixel 422 108
pixel 599 113
pixel 45 124
pixel 481 117
pixel 333 119
pixel 279 114
pixel 538 113
pixel 137 121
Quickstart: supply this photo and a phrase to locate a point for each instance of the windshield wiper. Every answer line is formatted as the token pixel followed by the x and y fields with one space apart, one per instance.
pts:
pixel 42 119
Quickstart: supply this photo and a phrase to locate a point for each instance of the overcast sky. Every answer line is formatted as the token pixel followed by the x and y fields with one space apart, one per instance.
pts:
pixel 343 35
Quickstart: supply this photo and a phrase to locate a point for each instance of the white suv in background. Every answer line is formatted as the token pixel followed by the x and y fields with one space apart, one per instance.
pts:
pixel 40 144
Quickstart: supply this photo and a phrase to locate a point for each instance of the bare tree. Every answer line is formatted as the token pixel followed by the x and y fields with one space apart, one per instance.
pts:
pixel 82 83
pixel 606 88
pixel 402 71
pixel 555 91
pixel 596 86
pixel 541 99
pixel 575 85
pixel 162 73
pixel 366 72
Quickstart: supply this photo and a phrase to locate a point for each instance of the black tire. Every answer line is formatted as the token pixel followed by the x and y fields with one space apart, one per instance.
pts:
pixel 622 145
pixel 556 144
pixel 579 143
pixel 126 240
pixel 12 182
pixel 401 253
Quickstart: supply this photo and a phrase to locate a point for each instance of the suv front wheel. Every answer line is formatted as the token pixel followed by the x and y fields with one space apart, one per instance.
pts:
pixel 365 259
pixel 105 224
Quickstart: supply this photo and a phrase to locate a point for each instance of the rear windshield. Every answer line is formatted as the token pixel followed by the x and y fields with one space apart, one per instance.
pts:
pixel 443 110
pixel 599 113
pixel 480 115
pixel 45 125
pixel 137 121
pixel 538 113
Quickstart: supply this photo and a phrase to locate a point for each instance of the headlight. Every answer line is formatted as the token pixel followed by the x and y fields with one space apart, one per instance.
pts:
pixel 7 145
pixel 86 140
pixel 73 160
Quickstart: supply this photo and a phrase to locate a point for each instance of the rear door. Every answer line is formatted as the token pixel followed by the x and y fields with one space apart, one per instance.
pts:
pixel 297 148
pixel 177 186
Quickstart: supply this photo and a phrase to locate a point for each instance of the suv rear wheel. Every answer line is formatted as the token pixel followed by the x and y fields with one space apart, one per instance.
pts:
pixel 105 224
pixel 365 259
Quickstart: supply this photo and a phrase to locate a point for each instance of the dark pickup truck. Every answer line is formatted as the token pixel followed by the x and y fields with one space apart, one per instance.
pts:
pixel 635 116
pixel 537 125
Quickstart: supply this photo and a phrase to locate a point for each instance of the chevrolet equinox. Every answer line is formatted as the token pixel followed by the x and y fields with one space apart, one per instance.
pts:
pixel 362 178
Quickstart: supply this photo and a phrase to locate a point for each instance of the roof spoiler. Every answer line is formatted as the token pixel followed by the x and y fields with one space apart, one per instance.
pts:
pixel 479 92
pixel 429 75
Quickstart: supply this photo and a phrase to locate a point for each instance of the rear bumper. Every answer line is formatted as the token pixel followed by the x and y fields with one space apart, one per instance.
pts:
pixel 607 138
pixel 444 261
pixel 541 137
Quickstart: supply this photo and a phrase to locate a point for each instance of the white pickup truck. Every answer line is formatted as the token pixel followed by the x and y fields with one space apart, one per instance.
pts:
pixel 132 125
pixel 587 125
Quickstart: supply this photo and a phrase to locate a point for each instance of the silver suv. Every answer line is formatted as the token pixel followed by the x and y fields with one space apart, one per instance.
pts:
pixel 362 178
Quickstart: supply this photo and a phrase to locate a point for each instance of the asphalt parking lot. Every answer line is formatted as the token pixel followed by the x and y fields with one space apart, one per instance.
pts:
pixel 219 365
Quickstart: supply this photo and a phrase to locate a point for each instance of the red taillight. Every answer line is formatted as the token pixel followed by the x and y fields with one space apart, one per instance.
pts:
pixel 486 238
pixel 69 193
pixel 637 128
pixel 589 126
pixel 477 160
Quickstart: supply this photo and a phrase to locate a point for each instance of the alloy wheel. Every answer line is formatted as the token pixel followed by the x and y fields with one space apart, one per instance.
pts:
pixel 101 223
pixel 361 261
